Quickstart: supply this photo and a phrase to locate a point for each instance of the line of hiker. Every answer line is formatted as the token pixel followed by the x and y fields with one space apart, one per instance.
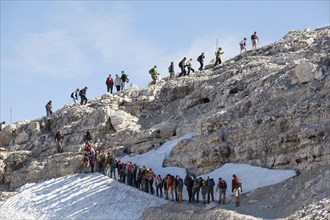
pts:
pixel 186 65
pixel 170 187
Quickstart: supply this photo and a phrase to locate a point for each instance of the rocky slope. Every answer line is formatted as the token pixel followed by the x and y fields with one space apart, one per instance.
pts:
pixel 267 107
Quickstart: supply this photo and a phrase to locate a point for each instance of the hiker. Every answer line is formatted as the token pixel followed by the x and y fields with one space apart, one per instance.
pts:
pixel 117 82
pixel 189 183
pixel 59 141
pixel 196 189
pixel 153 72
pixel 112 162
pixel 109 82
pixel 159 186
pixel 123 79
pixel 254 39
pixel 179 188
pixel 49 107
pixel 203 190
pixel 189 66
pixel 171 70
pixel 200 59
pixel 222 187
pixel 151 177
pixel 210 187
pixel 85 162
pixel 74 96
pixel 82 94
pixel 170 185
pixel 236 188
pixel 242 45
pixel 130 169
pixel 218 56
pixel 166 186
pixel 87 137
pixel 182 66
pixel 175 188
pixel 92 158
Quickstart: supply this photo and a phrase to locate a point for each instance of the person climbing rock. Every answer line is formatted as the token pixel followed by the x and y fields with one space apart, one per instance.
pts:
pixel 153 73
pixel 254 39
pixel 49 107
pixel 123 80
pixel 82 94
pixel 200 59
pixel 236 188
pixel 242 45
pixel 189 66
pixel 109 82
pixel 189 183
pixel 210 187
pixel 218 56
pixel 171 70
pixel 74 96
pixel 117 82
pixel 182 66
pixel 59 141
pixel 87 137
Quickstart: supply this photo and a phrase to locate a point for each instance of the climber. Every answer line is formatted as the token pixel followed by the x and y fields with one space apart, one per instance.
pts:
pixel 182 66
pixel 153 72
pixel 210 187
pixel 200 59
pixel 123 80
pixel 218 56
pixel 254 39
pixel 203 189
pixel 92 158
pixel 82 94
pixel 196 189
pixel 222 187
pixel 87 137
pixel 117 82
pixel 49 111
pixel 159 186
pixel 74 96
pixel 179 188
pixel 189 183
pixel 189 66
pixel 171 70
pixel 242 45
pixel 59 141
pixel 236 188
pixel 109 82
pixel 85 162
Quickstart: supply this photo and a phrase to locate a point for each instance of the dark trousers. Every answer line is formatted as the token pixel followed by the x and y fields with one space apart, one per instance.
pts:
pixel 190 69
pixel 118 88
pixel 210 194
pixel 183 71
pixel 159 190
pixel 189 194
pixel 110 88
pixel 83 100
pixel 218 61
pixel 202 65
pixel 196 195
pixel 146 186
pixel 92 167
pixel 151 183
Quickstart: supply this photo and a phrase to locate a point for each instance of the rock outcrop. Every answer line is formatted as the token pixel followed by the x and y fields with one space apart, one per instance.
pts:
pixel 267 107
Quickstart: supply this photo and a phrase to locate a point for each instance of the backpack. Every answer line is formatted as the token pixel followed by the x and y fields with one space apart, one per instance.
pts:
pixel 150 71
pixel 72 95
pixel 81 92
pixel 180 64
pixel 238 182
pixel 223 184
pixel 211 182
pixel 241 43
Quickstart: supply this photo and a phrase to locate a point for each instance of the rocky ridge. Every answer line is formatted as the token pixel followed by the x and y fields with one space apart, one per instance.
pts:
pixel 268 107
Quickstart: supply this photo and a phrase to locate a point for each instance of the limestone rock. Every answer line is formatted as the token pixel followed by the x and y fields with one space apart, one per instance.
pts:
pixel 305 72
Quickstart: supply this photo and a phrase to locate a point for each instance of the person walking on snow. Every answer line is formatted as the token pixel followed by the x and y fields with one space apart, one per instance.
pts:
pixel 242 45
pixel 236 188
pixel 74 96
pixel 255 40
pixel 200 59
pixel 109 82
pixel 218 56
pixel 222 187
pixel 189 66
pixel 49 107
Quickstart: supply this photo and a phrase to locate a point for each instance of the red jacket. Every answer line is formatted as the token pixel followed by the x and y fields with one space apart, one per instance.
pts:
pixel 109 81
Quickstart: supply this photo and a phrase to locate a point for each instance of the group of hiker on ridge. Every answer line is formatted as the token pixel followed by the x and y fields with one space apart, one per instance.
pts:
pixel 147 180
pixel 184 65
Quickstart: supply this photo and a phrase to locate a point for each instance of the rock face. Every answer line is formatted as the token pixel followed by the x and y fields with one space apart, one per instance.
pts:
pixel 267 107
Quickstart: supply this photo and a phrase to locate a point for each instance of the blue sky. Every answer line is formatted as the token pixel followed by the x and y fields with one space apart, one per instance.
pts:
pixel 50 48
